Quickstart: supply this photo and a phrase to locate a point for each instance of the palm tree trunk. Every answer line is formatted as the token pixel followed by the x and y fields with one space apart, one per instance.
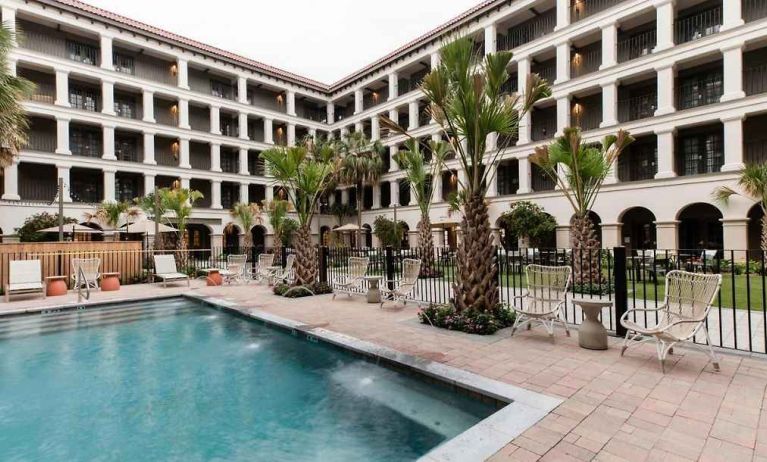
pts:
pixel 306 256
pixel 586 251
pixel 181 255
pixel 476 286
pixel 764 234
pixel 359 216
pixel 426 247
pixel 277 249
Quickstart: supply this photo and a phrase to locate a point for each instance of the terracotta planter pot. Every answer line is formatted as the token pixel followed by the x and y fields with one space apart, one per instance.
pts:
pixel 110 282
pixel 56 287
pixel 214 279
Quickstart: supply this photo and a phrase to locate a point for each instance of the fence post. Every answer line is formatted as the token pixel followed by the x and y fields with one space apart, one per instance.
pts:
pixel 621 288
pixel 389 262
pixel 284 255
pixel 323 264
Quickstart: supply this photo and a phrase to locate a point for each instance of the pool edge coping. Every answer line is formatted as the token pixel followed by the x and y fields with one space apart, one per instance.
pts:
pixel 524 409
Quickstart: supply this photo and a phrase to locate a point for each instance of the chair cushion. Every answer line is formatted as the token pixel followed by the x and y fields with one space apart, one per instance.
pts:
pixel 25 286
pixel 172 276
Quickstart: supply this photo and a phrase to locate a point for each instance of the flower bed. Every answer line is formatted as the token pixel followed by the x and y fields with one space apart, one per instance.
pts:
pixel 471 322
pixel 318 288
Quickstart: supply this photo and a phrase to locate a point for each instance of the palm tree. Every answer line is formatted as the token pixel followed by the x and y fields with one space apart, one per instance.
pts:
pixel 180 202
pixel 753 185
pixel 277 213
pixel 13 120
pixel 247 215
pixel 155 209
pixel 579 170
pixel 467 102
pixel 109 213
pixel 305 172
pixel 361 165
pixel 421 180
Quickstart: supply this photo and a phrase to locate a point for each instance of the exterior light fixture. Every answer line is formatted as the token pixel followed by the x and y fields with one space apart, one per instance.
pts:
pixel 173 69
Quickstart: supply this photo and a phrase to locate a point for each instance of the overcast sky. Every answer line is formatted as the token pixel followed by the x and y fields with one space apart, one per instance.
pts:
pixel 324 40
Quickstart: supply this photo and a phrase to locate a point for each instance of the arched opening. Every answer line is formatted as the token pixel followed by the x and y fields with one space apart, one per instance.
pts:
pixel 405 242
pixel 231 238
pixel 198 236
pixel 638 229
pixel 595 219
pixel 700 227
pixel 755 215
pixel 324 235
pixel 258 234
pixel 509 240
pixel 368 235
pixel 1 235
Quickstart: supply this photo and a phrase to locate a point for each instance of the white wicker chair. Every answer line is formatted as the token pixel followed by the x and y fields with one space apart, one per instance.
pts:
pixel 90 269
pixel 263 269
pixel 236 269
pixel 685 308
pixel 287 274
pixel 351 283
pixel 544 300
pixel 404 288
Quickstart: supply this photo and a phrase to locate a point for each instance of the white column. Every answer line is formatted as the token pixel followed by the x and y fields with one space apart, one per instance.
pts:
pixel 243 122
pixel 609 104
pixel 523 72
pixel 182 74
pixel 215 157
pixel 732 16
pixel 244 161
pixel 413 115
pixel 667 234
pixel 11 177
pixel 491 142
pixel 269 192
pixel 244 194
pixel 313 133
pixel 149 148
pixel 563 62
pixel 525 129
pixel 563 14
pixel 109 184
pixel 413 199
pixel 525 179
pixel 436 184
pixel 492 178
pixel 665 153
pixel 394 196
pixel 290 103
pixel 183 152
pixel 183 113
pixel 358 101
pixel 215 120
pixel 344 196
pixel 358 127
pixel 666 104
pixel 215 194
pixel 377 196
pixel 664 17
pixel 62 88
pixel 242 89
pixel 148 106
pixel 393 85
pixel 62 136
pixel 148 183
pixel 62 171
pixel 291 134
pixel 733 71
pixel 393 165
pixel 106 52
pixel 9 17
pixel 394 115
pixel 563 114
pixel 375 130
pixel 735 235
pixel 331 113
pixel 108 132
pixel 268 131
pixel 12 66
pixel 609 45
pixel 491 39
pixel 434 60
pixel 733 144
pixel 107 97
pixel 185 181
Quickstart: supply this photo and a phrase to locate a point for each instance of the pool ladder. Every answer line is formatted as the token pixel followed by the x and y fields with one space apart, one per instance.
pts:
pixel 78 283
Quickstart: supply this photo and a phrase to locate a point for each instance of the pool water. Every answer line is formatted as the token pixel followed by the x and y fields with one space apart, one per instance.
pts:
pixel 175 380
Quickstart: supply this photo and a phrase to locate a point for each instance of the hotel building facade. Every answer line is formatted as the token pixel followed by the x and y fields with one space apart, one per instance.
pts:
pixel 121 107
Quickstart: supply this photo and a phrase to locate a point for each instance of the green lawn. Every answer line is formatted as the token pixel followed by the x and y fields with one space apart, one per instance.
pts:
pixel 747 291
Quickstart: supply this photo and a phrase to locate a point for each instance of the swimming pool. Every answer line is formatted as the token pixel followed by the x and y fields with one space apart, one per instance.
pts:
pixel 174 379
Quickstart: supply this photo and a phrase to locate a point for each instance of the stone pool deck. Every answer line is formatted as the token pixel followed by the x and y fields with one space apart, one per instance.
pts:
pixel 614 408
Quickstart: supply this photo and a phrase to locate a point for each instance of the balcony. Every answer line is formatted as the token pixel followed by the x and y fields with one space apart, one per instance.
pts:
pixel 406 85
pixel 86 185
pixel 230 194
pixel 256 193
pixel 637 44
pixel 754 10
pixel 529 30
pixel 586 60
pixel 581 9
pixel 166 112
pixel 128 186
pixel 508 177
pixel 166 151
pixel 203 82
pixel 511 85
pixel 699 88
pixel 37 182
pixel 266 99
pixel 639 161
pixel 199 118
pixel 256 165
pixel 199 155
pixel 230 162
pixel 547 70
pixel 85 141
pixel 229 125
pixel 544 123
pixel 126 105
pixel 694 25
pixel 129 147
pixel 637 107
pixel 53 42
pixel 45 85
pixel 85 98
pixel 700 150
pixel 144 66
pixel 204 187
pixel 755 139
pixel 586 112
pixel 755 71
pixel 540 181
pixel 42 135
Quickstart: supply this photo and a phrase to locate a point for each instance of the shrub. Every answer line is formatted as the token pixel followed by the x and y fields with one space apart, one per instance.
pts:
pixel 28 231
pixel 593 289
pixel 280 289
pixel 320 288
pixel 471 322
pixel 297 291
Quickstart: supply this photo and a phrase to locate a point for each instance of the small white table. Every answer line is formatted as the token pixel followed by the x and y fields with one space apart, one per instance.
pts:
pixel 374 293
pixel 592 334
pixel 273 270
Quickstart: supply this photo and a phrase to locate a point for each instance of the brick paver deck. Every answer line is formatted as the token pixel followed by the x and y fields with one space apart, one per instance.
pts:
pixel 615 408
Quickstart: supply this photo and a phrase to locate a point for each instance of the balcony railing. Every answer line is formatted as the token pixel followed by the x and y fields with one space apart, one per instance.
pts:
pixel 43 141
pixel 638 107
pixel 85 99
pixel 585 62
pixel 637 45
pixel 229 163
pixel 544 127
pixel 44 93
pixel 540 180
pixel 588 118
pixel 754 10
pixel 638 163
pixel 511 85
pixel 756 151
pixel 547 70
pixel 584 8
pixel 707 89
pixel 529 30
pixel 755 79
pixel 698 25
pixel 127 150
pixel 230 129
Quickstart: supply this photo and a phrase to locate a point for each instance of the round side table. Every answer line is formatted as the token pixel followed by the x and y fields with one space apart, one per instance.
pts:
pixel 213 276
pixel 110 282
pixel 55 286
pixel 592 334
pixel 374 293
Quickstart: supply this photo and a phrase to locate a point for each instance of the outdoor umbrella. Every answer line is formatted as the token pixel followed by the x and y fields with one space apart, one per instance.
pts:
pixel 347 228
pixel 146 226
pixel 71 228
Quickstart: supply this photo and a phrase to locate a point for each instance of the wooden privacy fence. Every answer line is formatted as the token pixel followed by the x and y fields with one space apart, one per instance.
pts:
pixel 126 258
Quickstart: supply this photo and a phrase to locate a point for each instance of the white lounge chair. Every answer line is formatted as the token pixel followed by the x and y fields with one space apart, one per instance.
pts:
pixel 24 277
pixel 544 300
pixel 685 308
pixel 351 283
pixel 90 273
pixel 236 269
pixel 287 274
pixel 404 288
pixel 263 269
pixel 165 269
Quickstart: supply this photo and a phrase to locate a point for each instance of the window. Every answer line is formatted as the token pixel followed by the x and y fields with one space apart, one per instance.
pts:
pixel 701 89
pixel 85 142
pixel 126 148
pixel 127 188
pixel 86 99
pixel 123 63
pixel 508 178
pixel 220 89
pixel 639 162
pixel 701 153
pixel 125 107
pixel 81 52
